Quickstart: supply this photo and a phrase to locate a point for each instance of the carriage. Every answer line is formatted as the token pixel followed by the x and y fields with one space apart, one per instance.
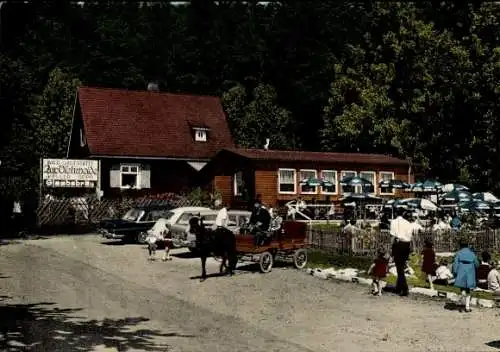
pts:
pixel 287 244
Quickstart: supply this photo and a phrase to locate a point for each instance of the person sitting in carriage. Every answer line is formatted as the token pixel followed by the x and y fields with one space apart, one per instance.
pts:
pixel 260 221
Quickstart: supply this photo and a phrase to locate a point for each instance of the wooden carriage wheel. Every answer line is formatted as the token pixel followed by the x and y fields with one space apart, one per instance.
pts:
pixel 266 262
pixel 300 258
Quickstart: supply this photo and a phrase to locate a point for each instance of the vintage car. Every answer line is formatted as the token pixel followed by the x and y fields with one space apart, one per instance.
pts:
pixel 133 226
pixel 179 228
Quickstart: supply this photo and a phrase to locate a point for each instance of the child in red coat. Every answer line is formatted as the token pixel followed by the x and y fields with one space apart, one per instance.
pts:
pixel 429 262
pixel 378 271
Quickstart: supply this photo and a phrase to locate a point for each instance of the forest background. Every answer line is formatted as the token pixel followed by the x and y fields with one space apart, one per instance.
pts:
pixel 420 81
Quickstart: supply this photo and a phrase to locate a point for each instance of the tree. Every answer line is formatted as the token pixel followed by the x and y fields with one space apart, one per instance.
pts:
pixel 255 118
pixel 53 113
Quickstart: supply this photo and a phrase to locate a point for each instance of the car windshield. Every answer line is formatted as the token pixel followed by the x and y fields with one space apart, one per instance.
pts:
pixel 161 214
pixel 133 215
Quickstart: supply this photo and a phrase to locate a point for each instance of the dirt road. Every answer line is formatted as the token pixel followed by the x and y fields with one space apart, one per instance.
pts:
pixel 77 294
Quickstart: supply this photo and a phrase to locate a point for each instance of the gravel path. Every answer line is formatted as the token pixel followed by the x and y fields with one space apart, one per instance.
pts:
pixel 285 310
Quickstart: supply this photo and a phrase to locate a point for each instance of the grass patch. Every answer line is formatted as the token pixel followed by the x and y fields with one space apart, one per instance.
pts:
pixel 326 226
pixel 320 259
pixel 323 260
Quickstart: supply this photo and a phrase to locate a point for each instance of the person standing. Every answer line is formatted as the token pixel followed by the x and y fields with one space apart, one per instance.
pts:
pixel 464 270
pixel 402 231
pixel 222 217
pixel 429 262
pixel 17 216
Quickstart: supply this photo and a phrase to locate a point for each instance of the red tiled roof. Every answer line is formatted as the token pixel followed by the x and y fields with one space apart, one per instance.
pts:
pixel 320 157
pixel 151 124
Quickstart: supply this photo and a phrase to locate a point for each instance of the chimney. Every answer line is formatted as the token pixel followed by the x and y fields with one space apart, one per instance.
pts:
pixel 153 87
pixel 266 146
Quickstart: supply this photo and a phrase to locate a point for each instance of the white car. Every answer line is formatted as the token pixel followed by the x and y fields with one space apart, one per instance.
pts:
pixel 179 229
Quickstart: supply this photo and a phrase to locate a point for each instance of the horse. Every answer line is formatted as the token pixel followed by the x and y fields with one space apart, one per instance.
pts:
pixel 220 242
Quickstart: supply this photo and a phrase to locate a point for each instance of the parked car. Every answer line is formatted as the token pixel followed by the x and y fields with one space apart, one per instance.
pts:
pixel 183 239
pixel 133 226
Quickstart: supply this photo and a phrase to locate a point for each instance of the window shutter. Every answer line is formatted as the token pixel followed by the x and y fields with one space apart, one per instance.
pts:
pixel 145 176
pixel 114 176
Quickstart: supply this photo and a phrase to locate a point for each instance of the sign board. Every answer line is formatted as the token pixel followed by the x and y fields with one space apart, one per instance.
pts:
pixel 70 173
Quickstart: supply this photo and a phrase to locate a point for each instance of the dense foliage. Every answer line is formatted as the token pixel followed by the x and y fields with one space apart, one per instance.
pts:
pixel 416 80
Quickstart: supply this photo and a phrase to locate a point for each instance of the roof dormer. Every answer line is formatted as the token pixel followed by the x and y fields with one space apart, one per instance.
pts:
pixel 200 134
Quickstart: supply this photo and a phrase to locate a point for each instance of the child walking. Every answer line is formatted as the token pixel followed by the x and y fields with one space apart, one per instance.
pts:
pixel 464 270
pixel 429 262
pixel 378 271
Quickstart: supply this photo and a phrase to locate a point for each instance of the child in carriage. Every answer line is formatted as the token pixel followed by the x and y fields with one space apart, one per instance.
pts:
pixel 378 271
pixel 159 233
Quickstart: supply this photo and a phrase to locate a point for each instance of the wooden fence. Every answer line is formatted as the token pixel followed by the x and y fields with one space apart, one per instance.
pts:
pixel 369 242
pixel 82 211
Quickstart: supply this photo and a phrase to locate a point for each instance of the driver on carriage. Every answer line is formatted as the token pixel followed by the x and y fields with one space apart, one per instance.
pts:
pixel 260 219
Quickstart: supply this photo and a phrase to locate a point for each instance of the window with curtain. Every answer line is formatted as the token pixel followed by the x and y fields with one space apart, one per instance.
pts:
pixel 306 174
pixel 386 176
pixel 287 181
pixel 369 176
pixel 330 176
pixel 344 174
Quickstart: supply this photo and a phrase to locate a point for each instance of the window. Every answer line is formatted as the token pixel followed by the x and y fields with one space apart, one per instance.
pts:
pixel 330 176
pixel 287 181
pixel 386 176
pixel 344 174
pixel 369 176
pixel 306 189
pixel 200 134
pixel 134 215
pixel 238 183
pixel 129 176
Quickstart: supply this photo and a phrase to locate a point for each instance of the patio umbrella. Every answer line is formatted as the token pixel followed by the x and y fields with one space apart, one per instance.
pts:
pixel 486 196
pixel 457 196
pixel 350 197
pixel 394 184
pixel 474 205
pixel 450 187
pixel 355 181
pixel 394 203
pixel 426 186
pixel 314 182
pixel 420 203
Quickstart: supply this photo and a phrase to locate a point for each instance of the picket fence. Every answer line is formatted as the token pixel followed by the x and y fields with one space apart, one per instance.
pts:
pixel 367 243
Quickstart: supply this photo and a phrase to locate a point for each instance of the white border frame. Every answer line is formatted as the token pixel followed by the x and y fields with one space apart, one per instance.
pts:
pixel 235 185
pixel 138 174
pixel 336 182
pixel 316 188
pixel 381 178
pixel 294 180
pixel 374 173
pixel 342 177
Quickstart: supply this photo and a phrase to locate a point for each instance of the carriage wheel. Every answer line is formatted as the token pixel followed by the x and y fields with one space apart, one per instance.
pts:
pixel 300 258
pixel 266 262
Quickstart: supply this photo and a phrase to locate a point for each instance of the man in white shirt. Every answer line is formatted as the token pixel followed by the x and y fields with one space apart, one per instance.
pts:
pixel 402 231
pixel 222 218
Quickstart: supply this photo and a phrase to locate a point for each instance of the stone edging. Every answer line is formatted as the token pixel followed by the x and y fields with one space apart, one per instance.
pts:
pixel 453 297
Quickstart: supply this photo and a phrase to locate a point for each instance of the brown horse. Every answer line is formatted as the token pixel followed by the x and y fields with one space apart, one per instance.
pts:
pixel 220 242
